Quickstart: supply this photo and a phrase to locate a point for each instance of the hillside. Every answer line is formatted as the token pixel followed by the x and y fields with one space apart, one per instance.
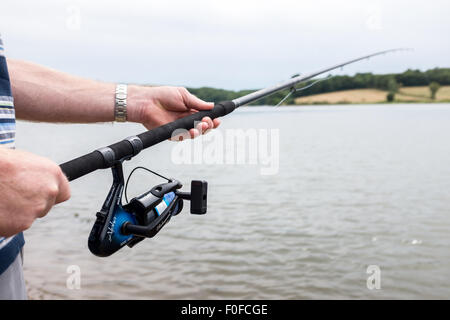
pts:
pixel 359 88
pixel 405 94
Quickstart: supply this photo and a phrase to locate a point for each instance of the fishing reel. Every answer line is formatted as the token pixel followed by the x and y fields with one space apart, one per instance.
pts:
pixel 142 217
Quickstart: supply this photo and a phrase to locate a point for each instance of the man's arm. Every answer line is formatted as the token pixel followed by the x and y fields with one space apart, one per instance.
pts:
pixel 30 185
pixel 44 94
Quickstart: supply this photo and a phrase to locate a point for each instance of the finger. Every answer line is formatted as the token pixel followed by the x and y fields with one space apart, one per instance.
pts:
pixel 64 189
pixel 209 122
pixel 202 127
pixel 192 102
pixel 198 130
pixel 216 122
pixel 181 137
pixel 194 133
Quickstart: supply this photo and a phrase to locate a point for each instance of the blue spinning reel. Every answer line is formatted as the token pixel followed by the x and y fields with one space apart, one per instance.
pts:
pixel 142 217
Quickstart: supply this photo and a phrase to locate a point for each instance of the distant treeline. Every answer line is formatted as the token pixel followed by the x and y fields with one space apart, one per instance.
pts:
pixel 408 78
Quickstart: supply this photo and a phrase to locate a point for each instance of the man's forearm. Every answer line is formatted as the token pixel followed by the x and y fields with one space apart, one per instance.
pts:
pixel 44 94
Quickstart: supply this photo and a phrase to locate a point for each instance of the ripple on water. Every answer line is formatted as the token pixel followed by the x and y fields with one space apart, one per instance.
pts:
pixel 350 192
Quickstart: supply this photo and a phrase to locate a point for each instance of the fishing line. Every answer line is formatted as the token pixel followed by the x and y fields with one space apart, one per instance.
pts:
pixel 293 89
pixel 142 168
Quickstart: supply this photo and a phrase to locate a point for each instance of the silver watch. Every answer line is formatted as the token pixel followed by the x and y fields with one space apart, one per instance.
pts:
pixel 120 108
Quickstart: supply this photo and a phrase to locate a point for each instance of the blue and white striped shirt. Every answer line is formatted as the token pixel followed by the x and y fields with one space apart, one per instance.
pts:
pixel 9 247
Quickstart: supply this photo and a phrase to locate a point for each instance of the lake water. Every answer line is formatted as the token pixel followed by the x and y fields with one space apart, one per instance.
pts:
pixel 356 186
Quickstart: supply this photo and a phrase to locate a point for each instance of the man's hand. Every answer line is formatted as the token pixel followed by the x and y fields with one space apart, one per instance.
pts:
pixel 155 106
pixel 29 186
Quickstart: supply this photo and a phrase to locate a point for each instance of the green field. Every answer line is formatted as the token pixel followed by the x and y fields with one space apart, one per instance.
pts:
pixel 358 96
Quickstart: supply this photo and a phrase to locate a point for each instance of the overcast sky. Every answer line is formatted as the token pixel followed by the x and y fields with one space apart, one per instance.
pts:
pixel 229 44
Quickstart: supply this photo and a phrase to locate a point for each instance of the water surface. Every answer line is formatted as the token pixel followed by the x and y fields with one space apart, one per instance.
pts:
pixel 357 186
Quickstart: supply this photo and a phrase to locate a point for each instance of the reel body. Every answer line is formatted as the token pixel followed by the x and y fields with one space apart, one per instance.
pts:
pixel 144 216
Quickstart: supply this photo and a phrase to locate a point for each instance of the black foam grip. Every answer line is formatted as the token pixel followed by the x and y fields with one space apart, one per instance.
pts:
pixel 90 162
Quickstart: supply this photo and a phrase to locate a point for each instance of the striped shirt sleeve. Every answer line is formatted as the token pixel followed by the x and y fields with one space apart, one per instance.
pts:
pixel 9 247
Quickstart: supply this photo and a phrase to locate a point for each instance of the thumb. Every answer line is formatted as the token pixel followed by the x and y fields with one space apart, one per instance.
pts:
pixel 192 102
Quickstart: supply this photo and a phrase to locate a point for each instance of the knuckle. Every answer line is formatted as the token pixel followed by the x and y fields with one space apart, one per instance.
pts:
pixel 66 196
pixel 40 210
pixel 184 92
pixel 52 191
pixel 25 224
pixel 54 169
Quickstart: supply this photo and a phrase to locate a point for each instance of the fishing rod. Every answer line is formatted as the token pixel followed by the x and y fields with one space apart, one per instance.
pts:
pixel 143 217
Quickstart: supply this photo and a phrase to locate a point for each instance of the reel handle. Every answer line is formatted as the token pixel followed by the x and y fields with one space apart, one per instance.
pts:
pixel 197 196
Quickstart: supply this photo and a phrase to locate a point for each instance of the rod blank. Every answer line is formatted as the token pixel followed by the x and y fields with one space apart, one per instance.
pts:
pixel 252 97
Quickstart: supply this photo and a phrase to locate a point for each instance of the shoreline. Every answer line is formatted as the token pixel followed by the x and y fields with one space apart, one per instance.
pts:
pixel 324 103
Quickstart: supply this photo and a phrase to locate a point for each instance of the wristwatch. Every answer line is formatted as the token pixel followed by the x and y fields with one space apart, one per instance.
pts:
pixel 120 107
